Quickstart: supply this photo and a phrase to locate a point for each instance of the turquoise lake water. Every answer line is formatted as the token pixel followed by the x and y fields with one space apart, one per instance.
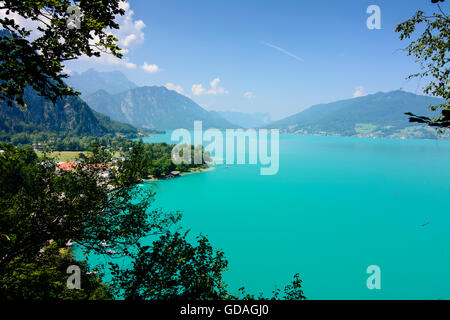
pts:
pixel 336 206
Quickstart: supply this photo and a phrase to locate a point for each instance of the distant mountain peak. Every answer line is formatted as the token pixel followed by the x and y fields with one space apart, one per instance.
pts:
pixel 101 91
pixel 90 70
pixel 92 80
pixel 155 107
pixel 68 115
pixel 245 120
pixel 381 114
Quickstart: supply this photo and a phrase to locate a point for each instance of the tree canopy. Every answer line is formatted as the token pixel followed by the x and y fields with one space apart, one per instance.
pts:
pixel 96 205
pixel 431 49
pixel 32 53
pixel 98 208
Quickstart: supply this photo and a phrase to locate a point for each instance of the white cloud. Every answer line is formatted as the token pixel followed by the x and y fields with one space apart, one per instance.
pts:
pixel 249 95
pixel 130 31
pixel 127 64
pixel 128 39
pixel 215 88
pixel 108 59
pixel 129 34
pixel 174 87
pixel 359 92
pixel 28 24
pixel 150 68
pixel 197 89
pixel 139 25
pixel 67 71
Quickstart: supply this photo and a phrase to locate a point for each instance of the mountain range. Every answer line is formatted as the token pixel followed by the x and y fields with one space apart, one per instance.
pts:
pixel 69 116
pixel 91 81
pixel 155 108
pixel 119 106
pixel 376 115
pixel 151 107
pixel 245 120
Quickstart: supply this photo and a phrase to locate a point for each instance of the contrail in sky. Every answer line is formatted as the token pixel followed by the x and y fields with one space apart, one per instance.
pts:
pixel 282 50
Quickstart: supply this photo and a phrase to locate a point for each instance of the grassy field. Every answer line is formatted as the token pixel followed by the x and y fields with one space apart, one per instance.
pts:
pixel 65 156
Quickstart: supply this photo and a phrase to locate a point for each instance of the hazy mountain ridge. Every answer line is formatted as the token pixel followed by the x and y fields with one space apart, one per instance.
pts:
pixel 91 81
pixel 69 115
pixel 155 108
pixel 245 120
pixel 376 115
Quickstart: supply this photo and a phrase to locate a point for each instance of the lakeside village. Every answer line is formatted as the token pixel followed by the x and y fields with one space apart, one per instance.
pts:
pixel 72 165
pixel 156 160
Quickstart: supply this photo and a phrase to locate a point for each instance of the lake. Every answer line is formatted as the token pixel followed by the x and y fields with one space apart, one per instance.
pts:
pixel 336 206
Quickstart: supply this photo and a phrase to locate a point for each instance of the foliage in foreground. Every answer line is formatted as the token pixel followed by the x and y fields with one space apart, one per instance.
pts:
pixel 431 50
pixel 174 269
pixel 44 277
pixel 33 55
pixel 106 215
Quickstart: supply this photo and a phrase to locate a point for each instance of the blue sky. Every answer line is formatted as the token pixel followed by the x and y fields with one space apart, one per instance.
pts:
pixel 264 56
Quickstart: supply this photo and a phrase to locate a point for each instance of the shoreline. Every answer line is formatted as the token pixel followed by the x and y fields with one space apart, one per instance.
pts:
pixel 367 137
pixel 181 174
